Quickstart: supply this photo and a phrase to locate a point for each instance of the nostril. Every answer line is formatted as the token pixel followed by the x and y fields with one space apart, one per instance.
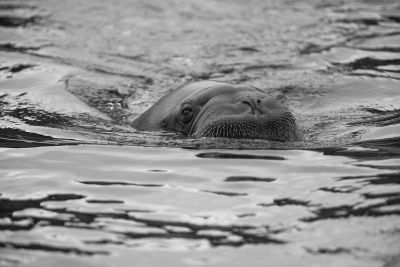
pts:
pixel 253 104
pixel 246 102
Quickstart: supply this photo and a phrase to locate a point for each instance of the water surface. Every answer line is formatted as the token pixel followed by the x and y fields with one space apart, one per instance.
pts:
pixel 113 205
pixel 79 186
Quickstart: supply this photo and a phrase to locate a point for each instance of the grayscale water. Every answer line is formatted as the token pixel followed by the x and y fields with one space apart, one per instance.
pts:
pixel 80 187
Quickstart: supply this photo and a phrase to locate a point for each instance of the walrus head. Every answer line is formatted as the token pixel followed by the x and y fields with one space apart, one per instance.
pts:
pixel 216 109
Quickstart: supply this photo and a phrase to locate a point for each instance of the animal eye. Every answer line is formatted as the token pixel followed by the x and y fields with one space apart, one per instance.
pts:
pixel 186 115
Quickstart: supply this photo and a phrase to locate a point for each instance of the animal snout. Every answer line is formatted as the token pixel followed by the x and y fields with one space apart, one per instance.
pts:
pixel 253 103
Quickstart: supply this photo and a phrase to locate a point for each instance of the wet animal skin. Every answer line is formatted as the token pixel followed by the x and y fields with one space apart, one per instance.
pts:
pixel 219 109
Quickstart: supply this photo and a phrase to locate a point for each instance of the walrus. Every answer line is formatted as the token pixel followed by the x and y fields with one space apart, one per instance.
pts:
pixel 219 109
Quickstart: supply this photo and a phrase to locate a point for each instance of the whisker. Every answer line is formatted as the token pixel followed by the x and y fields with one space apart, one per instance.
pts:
pixel 276 127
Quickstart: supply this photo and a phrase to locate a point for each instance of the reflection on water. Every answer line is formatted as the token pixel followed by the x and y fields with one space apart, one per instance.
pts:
pixel 106 205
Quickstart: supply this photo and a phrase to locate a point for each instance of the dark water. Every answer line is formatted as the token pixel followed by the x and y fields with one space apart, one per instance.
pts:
pixel 78 186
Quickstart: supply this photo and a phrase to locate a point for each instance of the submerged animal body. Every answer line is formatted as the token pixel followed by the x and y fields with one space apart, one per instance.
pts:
pixel 219 109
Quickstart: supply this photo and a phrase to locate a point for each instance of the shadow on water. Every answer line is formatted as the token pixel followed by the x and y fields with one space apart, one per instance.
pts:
pixel 14 15
pixel 248 179
pixel 221 155
pixel 385 204
pixel 346 211
pixel 20 139
pixel 170 229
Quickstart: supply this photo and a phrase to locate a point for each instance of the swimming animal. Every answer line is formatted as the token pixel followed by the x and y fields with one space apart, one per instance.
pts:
pixel 219 109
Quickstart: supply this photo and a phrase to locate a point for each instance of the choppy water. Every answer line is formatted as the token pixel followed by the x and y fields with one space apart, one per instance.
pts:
pixel 78 186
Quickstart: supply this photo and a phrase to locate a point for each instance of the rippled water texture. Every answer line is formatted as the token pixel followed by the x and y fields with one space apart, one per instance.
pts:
pixel 80 187
pixel 115 206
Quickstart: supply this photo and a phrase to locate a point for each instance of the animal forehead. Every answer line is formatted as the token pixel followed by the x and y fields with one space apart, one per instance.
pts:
pixel 223 93
pixel 264 101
